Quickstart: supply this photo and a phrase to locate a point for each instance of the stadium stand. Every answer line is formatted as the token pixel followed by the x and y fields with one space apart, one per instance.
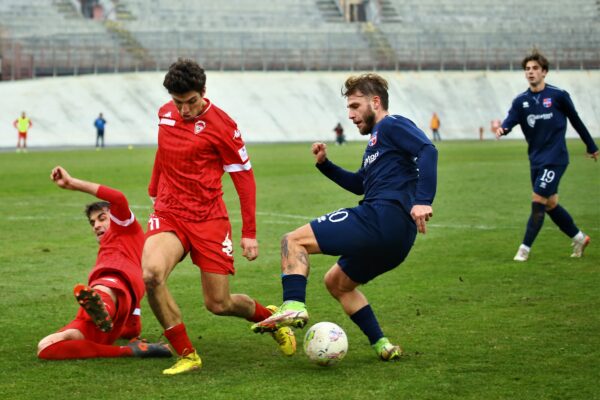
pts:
pixel 53 37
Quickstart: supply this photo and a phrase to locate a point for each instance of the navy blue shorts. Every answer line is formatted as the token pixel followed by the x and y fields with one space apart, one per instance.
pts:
pixel 371 239
pixel 545 180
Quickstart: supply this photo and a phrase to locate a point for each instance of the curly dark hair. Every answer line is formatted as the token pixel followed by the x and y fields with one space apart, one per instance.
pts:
pixel 537 57
pixel 97 206
pixel 368 84
pixel 184 76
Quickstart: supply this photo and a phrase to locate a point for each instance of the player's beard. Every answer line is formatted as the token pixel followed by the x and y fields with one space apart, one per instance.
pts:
pixel 368 121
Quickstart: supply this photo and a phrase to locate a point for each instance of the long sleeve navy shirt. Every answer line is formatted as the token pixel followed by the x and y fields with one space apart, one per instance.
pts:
pixel 399 163
pixel 543 120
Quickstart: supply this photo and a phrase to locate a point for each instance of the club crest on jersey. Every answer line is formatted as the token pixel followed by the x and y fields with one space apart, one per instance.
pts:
pixel 373 140
pixel 199 127
pixel 547 102
pixel 525 104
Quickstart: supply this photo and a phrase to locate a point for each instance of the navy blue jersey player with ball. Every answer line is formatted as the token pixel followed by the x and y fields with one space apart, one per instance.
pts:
pixel 542 112
pixel 398 177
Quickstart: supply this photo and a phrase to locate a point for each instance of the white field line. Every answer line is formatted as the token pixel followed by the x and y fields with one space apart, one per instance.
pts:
pixel 286 219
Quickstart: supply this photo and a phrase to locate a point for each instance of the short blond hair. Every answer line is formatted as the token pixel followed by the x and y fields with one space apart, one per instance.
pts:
pixel 369 84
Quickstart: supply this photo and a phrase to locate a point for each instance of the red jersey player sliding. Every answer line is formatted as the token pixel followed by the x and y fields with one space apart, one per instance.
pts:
pixel 197 143
pixel 109 304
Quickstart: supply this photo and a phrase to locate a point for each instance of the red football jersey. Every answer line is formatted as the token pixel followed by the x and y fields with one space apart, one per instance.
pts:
pixel 121 246
pixel 190 161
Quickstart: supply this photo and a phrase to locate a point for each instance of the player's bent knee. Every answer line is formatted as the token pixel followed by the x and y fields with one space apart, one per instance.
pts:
pixel 152 278
pixel 218 307
pixel 552 203
pixel 333 284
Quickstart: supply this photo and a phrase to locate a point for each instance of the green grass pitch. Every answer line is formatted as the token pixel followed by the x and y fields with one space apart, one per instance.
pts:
pixel 474 324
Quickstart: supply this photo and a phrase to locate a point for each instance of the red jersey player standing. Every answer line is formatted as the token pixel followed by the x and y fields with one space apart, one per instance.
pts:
pixel 197 143
pixel 110 302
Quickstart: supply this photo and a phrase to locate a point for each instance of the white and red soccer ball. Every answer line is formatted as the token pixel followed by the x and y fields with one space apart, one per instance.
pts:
pixel 325 343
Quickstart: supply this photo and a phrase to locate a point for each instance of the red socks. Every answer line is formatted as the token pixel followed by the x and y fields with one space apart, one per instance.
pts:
pixel 260 313
pixel 109 304
pixel 179 339
pixel 69 349
pixel 132 328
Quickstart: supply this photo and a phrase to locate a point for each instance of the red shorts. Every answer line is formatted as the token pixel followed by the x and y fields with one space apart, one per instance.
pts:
pixel 125 309
pixel 208 242
pixel 23 135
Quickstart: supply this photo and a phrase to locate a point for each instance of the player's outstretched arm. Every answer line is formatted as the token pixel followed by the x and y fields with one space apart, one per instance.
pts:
pixel 64 180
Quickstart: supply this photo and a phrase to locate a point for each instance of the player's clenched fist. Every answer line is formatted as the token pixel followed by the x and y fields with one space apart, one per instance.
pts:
pixel 61 177
pixel 320 151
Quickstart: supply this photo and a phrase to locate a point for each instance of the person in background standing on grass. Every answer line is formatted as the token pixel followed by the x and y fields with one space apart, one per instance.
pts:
pixel 23 123
pixel 99 123
pixel 435 127
pixel 340 139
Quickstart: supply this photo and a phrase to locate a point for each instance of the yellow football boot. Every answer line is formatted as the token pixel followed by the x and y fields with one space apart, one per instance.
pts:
pixel 189 362
pixel 284 336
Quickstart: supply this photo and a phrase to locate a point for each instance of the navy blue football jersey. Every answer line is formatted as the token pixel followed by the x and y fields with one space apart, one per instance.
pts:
pixel 543 120
pixel 399 163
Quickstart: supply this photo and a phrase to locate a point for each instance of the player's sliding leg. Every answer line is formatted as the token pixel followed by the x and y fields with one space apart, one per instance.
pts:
pixel 534 225
pixel 78 349
pixel 98 304
pixel 357 307
pixel 565 223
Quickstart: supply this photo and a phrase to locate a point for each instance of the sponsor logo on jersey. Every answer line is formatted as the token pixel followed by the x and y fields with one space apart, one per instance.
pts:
pixel 237 134
pixel 167 115
pixel 525 104
pixel 373 140
pixel 199 127
pixel 370 159
pixel 243 154
pixel 547 102
pixel 531 118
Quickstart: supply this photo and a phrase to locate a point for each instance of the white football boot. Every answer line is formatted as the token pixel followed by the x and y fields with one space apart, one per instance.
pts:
pixel 522 254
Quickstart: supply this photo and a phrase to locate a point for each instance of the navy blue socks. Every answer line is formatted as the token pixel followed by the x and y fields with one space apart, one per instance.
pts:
pixel 536 220
pixel 367 322
pixel 563 220
pixel 294 287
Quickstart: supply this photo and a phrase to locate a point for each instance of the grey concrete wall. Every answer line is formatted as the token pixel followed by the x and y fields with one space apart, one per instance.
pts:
pixel 273 106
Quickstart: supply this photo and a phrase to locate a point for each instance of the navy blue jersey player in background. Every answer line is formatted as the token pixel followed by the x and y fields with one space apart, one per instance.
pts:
pixel 542 112
pixel 397 176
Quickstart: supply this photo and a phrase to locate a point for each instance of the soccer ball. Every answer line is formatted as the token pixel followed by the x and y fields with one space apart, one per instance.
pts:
pixel 325 343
